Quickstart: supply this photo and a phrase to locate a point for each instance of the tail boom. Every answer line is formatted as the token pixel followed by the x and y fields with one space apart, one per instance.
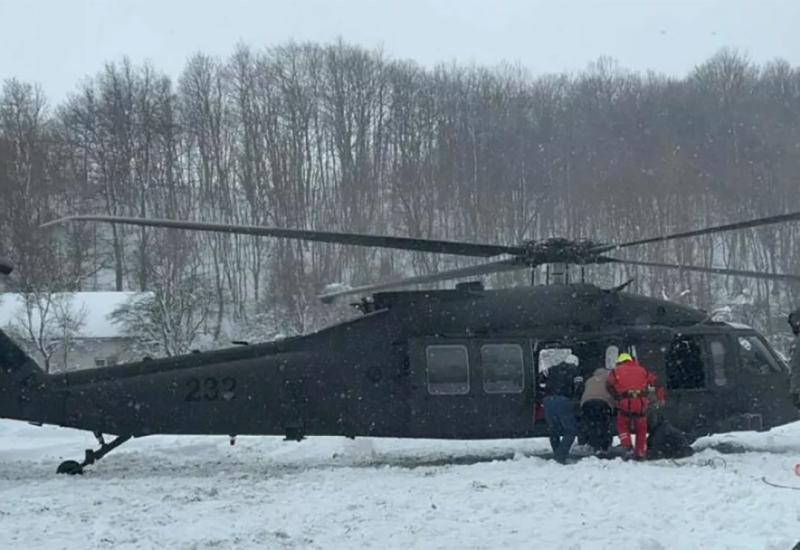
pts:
pixel 25 391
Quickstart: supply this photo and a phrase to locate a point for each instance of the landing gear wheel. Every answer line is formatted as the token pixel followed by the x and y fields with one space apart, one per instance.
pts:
pixel 69 467
pixel 72 467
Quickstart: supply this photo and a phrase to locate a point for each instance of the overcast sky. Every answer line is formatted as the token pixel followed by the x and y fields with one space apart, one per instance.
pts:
pixel 58 42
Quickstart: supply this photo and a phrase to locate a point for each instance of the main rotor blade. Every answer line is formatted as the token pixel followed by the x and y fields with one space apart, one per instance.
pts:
pixel 758 222
pixel 716 270
pixel 6 267
pixel 472 271
pixel 357 239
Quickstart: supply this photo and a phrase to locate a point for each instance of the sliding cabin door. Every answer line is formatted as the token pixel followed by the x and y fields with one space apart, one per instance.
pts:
pixel 471 388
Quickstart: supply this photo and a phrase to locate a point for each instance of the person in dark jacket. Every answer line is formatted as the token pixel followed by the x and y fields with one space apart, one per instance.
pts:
pixel 561 386
pixel 665 440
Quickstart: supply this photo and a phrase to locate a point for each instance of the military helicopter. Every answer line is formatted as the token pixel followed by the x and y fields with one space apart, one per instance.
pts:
pixel 460 363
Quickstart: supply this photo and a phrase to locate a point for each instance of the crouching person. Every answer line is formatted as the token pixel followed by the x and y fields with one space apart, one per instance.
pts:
pixel 665 440
pixel 597 409
pixel 561 385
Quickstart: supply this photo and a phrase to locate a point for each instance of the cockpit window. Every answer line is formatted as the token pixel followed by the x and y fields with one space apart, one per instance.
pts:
pixel 755 356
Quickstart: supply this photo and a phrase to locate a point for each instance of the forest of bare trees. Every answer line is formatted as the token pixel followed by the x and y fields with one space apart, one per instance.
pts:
pixel 338 137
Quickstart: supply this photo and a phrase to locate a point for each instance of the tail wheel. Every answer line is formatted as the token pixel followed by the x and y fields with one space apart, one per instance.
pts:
pixel 69 467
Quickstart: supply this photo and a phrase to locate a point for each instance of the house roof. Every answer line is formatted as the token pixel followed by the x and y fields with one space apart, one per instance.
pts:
pixel 98 307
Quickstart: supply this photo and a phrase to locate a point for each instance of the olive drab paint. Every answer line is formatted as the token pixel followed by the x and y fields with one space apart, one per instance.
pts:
pixel 459 364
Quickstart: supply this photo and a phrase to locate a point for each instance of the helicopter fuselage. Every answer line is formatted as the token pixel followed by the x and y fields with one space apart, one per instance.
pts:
pixel 456 364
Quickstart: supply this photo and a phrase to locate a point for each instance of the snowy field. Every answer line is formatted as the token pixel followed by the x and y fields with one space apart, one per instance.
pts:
pixel 198 492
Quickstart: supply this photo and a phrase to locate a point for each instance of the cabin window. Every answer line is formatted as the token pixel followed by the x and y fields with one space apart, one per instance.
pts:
pixel 755 356
pixel 503 369
pixel 685 364
pixel 99 362
pixel 448 370
pixel 612 353
pixel 718 357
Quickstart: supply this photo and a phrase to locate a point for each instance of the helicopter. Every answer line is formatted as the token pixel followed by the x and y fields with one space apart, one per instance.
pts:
pixel 458 363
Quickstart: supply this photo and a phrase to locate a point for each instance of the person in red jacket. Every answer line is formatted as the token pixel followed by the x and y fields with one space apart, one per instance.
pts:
pixel 630 383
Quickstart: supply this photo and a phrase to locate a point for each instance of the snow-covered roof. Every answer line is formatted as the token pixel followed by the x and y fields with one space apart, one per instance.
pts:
pixel 97 306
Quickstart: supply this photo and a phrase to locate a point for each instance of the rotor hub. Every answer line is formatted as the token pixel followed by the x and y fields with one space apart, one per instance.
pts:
pixel 561 251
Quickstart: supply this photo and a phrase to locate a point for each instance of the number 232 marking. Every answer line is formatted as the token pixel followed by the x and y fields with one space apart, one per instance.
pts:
pixel 211 389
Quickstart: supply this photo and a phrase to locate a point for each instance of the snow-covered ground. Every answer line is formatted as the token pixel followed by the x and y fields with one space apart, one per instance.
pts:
pixel 199 492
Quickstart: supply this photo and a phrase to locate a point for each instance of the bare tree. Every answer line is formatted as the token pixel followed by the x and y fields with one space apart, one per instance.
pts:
pixel 48 322
pixel 339 137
